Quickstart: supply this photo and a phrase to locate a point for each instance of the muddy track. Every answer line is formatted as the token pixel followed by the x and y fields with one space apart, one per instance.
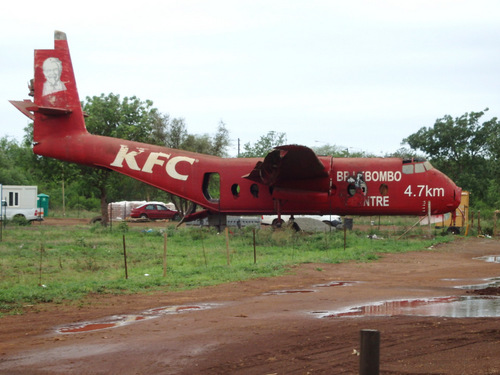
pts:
pixel 249 331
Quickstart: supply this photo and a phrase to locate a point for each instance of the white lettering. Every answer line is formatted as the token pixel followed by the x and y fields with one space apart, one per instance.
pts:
pixel 129 157
pixel 342 175
pixel 171 167
pixel 153 160
pixel 377 201
pixel 382 176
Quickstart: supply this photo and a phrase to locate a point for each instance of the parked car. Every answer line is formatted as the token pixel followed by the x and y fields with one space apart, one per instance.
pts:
pixel 154 211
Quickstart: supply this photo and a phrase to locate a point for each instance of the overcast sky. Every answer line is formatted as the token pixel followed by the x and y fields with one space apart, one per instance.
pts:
pixel 358 74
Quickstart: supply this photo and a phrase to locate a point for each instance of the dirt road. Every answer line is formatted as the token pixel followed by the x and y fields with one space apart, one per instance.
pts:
pixel 249 328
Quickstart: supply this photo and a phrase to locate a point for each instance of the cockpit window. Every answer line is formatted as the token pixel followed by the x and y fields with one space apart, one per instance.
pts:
pixel 419 168
pixel 408 168
pixel 414 166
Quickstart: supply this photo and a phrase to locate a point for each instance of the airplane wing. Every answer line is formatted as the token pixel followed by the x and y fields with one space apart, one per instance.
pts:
pixel 27 106
pixel 286 164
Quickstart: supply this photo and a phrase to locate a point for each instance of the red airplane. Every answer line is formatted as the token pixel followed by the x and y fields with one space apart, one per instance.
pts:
pixel 291 179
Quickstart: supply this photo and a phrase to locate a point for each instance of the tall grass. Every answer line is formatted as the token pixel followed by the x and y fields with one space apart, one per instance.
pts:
pixel 44 263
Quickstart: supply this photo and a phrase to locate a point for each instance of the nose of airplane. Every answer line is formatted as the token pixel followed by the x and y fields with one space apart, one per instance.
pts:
pixel 457 197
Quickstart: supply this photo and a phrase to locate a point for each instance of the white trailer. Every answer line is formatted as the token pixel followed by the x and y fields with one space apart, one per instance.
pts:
pixel 20 201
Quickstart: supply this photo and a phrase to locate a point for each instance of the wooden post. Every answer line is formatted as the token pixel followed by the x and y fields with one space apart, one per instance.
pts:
pixel 227 247
pixel 42 249
pixel 345 235
pixel 165 254
pixel 203 246
pixel 125 257
pixel 495 223
pixel 254 248
pixel 369 360
pixel 429 218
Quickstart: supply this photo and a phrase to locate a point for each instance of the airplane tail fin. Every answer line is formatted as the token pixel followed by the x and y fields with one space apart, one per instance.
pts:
pixel 56 109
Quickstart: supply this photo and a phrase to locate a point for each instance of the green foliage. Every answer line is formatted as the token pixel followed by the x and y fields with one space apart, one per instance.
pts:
pixel 90 188
pixel 464 149
pixel 15 163
pixel 338 151
pixel 50 264
pixel 264 145
pixel 19 220
pixel 405 153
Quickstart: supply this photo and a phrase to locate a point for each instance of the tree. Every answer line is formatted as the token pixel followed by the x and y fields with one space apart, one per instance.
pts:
pixel 461 148
pixel 179 138
pixel 130 119
pixel 405 153
pixel 52 176
pixel 220 141
pixel 265 144
pixel 338 151
pixel 14 162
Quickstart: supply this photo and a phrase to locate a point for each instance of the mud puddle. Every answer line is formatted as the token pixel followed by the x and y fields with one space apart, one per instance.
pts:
pixel 490 258
pixel 288 291
pixel 121 320
pixel 489 283
pixel 449 306
pixel 335 283
pixel 298 291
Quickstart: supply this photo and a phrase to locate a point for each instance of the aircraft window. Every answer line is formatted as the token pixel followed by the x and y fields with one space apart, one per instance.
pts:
pixel 419 168
pixel 428 166
pixel 254 189
pixel 384 189
pixel 408 168
pixel 211 187
pixel 235 189
pixel 351 189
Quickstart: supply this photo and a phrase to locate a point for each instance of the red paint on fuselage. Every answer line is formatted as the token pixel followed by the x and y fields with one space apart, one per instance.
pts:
pixel 354 186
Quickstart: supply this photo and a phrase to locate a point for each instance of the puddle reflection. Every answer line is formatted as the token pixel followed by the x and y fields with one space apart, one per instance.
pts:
pixel 287 291
pixel 451 306
pixel 490 283
pixel 490 258
pixel 335 283
pixel 121 320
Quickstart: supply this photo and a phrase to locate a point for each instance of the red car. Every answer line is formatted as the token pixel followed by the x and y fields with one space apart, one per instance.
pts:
pixel 154 211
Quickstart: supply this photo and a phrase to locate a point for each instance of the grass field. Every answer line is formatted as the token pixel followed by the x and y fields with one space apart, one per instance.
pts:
pixel 40 263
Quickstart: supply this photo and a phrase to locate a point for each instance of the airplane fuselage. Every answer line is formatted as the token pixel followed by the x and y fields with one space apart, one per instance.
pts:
pixel 361 186
pixel 291 179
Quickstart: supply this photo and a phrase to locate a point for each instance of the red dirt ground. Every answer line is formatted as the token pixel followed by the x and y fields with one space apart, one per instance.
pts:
pixel 251 332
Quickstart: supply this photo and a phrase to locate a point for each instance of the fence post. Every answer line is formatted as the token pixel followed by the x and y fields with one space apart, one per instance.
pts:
pixel 227 246
pixel 495 223
pixel 125 257
pixel 165 254
pixel 370 352
pixel 254 248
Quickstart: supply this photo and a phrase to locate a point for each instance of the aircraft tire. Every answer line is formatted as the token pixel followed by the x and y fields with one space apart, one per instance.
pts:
pixel 277 223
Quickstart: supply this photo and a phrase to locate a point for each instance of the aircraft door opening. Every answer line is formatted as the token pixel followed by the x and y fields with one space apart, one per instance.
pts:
pixel 211 187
